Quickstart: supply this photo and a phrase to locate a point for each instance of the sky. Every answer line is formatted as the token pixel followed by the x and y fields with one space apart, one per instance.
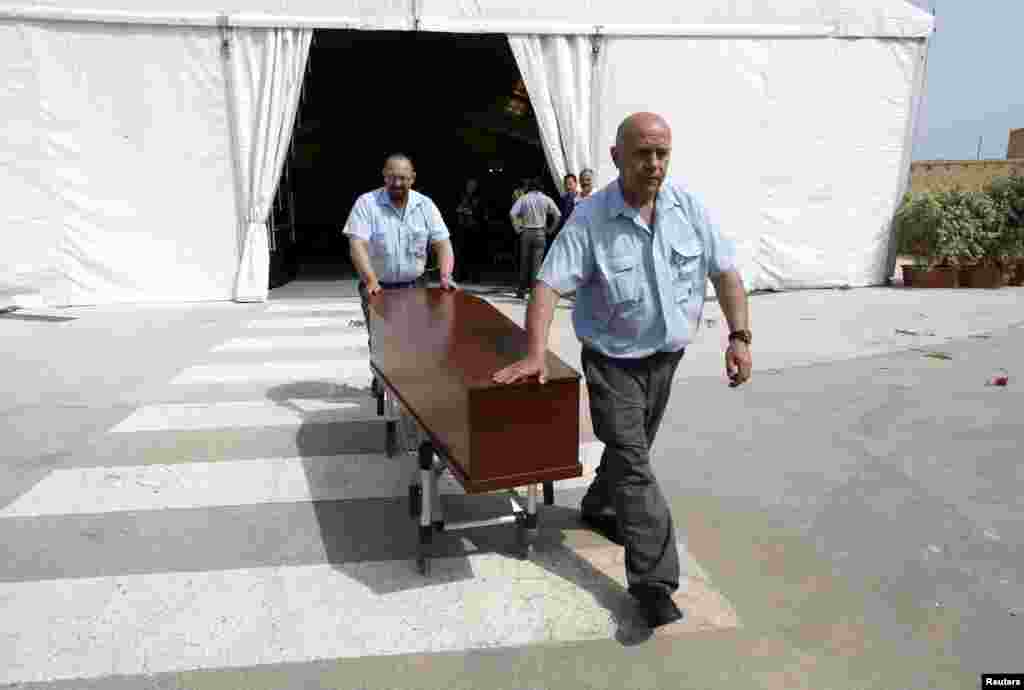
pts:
pixel 975 81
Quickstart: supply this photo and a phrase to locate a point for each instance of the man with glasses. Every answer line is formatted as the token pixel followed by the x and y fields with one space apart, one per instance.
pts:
pixel 388 230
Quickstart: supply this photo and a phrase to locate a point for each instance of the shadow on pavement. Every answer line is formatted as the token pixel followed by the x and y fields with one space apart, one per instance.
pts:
pixel 370 535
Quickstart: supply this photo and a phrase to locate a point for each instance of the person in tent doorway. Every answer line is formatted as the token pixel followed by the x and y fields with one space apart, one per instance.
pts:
pixel 586 183
pixel 566 203
pixel 639 253
pixel 388 231
pixel 570 195
pixel 470 231
pixel 534 215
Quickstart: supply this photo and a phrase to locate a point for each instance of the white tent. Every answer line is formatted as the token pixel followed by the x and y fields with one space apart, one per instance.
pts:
pixel 141 142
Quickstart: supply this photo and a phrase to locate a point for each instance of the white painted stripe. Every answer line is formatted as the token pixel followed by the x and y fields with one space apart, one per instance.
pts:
pixel 165 622
pixel 355 371
pixel 238 482
pixel 292 323
pixel 229 483
pixel 318 307
pixel 320 341
pixel 245 414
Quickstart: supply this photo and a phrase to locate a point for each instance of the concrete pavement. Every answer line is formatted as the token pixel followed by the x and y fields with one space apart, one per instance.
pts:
pixel 852 515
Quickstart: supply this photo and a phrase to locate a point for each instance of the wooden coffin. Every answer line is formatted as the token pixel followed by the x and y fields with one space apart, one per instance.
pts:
pixel 437 350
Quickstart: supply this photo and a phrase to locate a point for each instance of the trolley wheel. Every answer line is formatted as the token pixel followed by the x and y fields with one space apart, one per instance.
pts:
pixel 423 565
pixel 525 538
pixel 391 432
pixel 415 500
pixel 549 493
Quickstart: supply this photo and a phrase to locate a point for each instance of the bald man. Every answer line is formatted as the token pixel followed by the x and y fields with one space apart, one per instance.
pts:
pixel 389 229
pixel 638 254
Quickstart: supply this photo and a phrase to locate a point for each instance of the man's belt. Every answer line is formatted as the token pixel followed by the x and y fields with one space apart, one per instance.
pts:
pixel 392 286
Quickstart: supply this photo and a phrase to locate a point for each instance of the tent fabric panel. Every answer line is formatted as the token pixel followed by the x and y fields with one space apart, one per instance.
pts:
pixel 128 142
pixel 558 72
pixel 30 232
pixel 796 154
pixel 267 69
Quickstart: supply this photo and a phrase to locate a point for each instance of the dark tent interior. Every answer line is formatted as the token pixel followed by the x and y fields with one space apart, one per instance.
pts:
pixel 455 104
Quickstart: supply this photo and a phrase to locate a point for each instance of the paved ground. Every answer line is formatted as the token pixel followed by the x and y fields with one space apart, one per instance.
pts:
pixel 195 497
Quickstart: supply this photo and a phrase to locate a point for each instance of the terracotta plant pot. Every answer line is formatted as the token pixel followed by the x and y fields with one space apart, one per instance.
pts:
pixel 1015 274
pixel 982 276
pixel 935 277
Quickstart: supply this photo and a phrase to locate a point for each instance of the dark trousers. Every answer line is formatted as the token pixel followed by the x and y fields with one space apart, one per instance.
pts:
pixel 532 242
pixel 627 402
pixel 471 253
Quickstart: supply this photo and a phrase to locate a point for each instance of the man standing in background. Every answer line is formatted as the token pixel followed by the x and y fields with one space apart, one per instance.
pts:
pixel 534 215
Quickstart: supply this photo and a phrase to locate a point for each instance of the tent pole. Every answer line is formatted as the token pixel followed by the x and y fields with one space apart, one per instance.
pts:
pixel 910 133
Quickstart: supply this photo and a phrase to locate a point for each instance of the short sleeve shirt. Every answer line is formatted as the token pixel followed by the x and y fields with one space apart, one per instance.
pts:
pixel 398 240
pixel 533 208
pixel 638 291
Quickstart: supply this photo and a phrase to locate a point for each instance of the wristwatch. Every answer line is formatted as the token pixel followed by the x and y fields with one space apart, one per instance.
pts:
pixel 742 334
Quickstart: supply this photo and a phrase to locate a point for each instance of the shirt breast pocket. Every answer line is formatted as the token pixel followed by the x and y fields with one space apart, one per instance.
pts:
pixel 623 282
pixel 684 264
pixel 418 236
pixel 379 238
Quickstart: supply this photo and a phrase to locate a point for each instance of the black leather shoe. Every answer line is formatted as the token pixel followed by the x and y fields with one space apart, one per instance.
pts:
pixel 657 606
pixel 604 524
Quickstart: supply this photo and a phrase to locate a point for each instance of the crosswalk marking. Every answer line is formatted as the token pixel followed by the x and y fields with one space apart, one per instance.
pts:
pixel 245 414
pixel 355 371
pixel 319 341
pixel 207 484
pixel 313 307
pixel 124 624
pixel 341 320
pixel 163 622
pixel 94 490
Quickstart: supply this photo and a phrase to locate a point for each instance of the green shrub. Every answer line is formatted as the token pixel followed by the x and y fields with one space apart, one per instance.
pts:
pixel 1008 195
pixel 950 227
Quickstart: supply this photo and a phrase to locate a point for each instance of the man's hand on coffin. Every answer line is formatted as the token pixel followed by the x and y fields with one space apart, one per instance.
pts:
pixel 373 288
pixel 522 369
pixel 447 283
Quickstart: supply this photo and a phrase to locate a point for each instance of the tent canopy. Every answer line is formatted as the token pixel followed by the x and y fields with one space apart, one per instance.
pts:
pixel 143 139
pixel 835 18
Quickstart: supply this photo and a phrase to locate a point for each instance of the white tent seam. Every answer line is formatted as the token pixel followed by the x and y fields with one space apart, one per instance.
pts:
pixel 446 24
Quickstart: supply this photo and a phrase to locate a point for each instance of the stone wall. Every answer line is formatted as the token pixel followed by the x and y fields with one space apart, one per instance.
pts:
pixel 936 176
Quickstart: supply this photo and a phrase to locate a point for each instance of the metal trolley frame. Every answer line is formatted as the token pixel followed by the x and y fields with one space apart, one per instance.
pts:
pixel 406 435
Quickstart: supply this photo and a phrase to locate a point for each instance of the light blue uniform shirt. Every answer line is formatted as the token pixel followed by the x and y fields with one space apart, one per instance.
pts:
pixel 637 292
pixel 398 241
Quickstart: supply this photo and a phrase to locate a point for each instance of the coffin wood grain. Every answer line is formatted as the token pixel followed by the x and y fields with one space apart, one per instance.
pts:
pixel 438 351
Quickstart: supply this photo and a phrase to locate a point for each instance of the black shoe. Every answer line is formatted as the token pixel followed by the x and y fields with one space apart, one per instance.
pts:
pixel 604 524
pixel 656 606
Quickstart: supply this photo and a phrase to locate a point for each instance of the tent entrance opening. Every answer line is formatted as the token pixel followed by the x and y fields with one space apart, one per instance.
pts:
pixel 454 103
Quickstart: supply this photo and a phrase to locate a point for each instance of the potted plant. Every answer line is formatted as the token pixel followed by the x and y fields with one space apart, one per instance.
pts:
pixel 973 225
pixel 1008 195
pixel 923 233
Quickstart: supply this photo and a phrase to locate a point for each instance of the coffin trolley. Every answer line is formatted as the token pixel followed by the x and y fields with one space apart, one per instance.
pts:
pixel 434 353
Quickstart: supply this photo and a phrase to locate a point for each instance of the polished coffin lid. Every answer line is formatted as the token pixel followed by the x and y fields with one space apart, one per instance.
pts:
pixel 438 350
